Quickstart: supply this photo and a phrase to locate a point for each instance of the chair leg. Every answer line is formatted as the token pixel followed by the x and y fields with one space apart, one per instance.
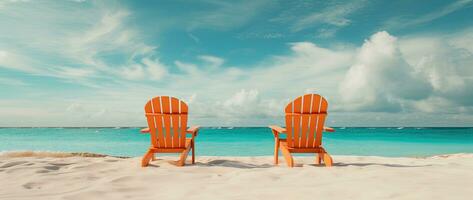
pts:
pixel 193 152
pixel 328 160
pixel 183 156
pixel 287 156
pixel 153 158
pixel 276 150
pixel 318 158
pixel 146 158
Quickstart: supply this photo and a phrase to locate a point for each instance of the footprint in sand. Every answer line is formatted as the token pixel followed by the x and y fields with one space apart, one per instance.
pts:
pixel 31 185
pixel 60 164
pixel 47 169
pixel 11 164
pixel 52 167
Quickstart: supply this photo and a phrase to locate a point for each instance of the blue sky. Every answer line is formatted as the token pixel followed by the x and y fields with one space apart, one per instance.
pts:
pixel 237 63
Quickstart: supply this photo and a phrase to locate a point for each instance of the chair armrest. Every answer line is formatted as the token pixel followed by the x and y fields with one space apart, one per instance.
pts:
pixel 144 130
pixel 277 128
pixel 328 129
pixel 193 130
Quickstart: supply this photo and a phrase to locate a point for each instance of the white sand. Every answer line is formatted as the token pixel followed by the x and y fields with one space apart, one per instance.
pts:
pixel 352 177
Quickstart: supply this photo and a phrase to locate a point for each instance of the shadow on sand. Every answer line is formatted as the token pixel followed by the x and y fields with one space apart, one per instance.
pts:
pixel 244 165
pixel 233 164
pixel 375 164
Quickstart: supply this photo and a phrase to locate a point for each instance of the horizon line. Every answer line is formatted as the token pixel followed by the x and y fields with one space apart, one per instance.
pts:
pixel 234 126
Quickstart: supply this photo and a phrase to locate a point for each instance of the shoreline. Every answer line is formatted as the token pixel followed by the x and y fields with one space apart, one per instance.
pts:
pixel 59 154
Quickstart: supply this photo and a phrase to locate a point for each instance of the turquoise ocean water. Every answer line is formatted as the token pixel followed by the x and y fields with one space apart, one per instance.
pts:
pixel 242 141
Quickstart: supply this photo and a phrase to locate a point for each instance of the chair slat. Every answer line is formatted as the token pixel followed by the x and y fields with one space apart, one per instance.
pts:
pixel 183 128
pixel 152 131
pixel 167 128
pixel 318 132
pixel 175 119
pixel 297 121
pixel 165 105
pixel 296 132
pixel 289 108
pixel 297 105
pixel 306 108
pixel 312 126
pixel 156 105
pixel 323 106
pixel 175 129
pixel 157 108
pixel 316 99
pixel 289 130
pixel 184 108
pixel 307 103
pixel 161 135
pixel 304 130
pixel 175 104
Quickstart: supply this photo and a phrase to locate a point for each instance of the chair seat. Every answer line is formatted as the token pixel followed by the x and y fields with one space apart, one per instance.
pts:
pixel 171 149
pixel 319 149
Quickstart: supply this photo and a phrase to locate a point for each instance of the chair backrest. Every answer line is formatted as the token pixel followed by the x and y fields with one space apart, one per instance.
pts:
pixel 167 121
pixel 305 118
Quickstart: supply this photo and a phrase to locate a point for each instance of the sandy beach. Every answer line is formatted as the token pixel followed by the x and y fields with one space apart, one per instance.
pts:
pixel 66 176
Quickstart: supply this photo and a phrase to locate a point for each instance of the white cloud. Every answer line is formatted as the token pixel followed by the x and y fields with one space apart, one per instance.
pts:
pixel 326 33
pixel 186 67
pixel 213 61
pixel 12 81
pixel 400 22
pixel 156 70
pixel 243 107
pixel 241 99
pixel 425 74
pixel 226 15
pixel 75 107
pixel 133 72
pixel 447 66
pixel 71 72
pixel 381 79
pixel 12 60
pixel 107 26
pixel 335 15
pixel 84 45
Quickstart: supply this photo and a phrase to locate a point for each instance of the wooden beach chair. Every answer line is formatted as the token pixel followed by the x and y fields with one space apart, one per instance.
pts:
pixel 167 126
pixel 305 118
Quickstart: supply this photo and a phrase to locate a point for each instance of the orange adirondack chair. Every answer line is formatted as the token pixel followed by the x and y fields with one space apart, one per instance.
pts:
pixel 305 117
pixel 167 126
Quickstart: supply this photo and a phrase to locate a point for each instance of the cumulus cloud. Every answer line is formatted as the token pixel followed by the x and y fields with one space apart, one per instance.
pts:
pixel 381 79
pixel 447 66
pixel 427 74
pixel 246 107
pixel 241 99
